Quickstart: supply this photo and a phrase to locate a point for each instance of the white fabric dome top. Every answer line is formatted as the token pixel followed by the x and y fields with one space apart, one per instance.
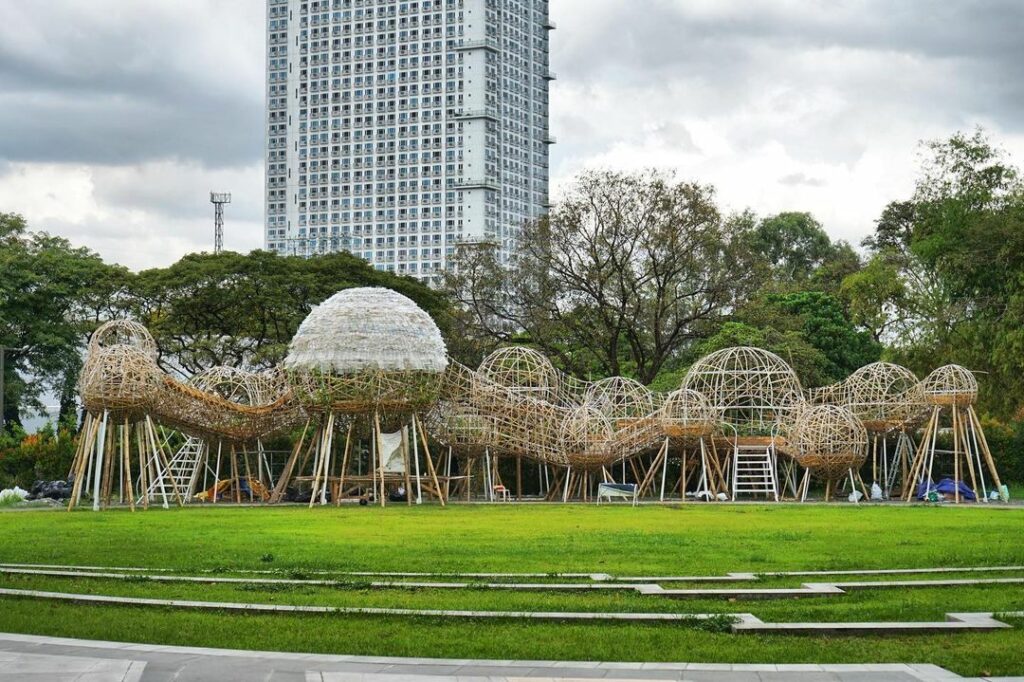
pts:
pixel 367 328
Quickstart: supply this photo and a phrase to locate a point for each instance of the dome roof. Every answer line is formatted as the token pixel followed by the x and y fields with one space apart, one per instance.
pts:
pixel 367 328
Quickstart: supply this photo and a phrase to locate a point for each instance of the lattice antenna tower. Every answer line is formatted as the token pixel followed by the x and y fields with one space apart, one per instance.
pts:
pixel 218 199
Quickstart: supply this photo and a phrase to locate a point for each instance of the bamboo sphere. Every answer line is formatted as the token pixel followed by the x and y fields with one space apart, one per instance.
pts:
pixel 585 437
pixel 241 386
pixel 950 385
pixel 885 396
pixel 522 371
pixel 750 388
pixel 622 401
pixel 120 379
pixel 365 350
pixel 686 414
pixel 462 428
pixel 123 333
pixel 829 440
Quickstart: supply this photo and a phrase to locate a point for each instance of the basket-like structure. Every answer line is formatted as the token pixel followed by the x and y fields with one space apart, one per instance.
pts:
pixel 122 380
pixel 365 350
pixel 229 404
pixel 686 416
pixel 123 333
pixel 750 388
pixel 120 374
pixel 522 371
pixel 950 385
pixel 829 440
pixel 622 401
pixel 885 396
pixel 585 438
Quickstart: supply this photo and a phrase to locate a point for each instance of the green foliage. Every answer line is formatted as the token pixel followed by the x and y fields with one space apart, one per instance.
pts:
pixel 242 310
pixel 946 282
pixel 46 455
pixel 48 293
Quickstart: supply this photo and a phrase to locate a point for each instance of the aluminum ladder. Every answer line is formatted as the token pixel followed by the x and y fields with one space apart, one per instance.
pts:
pixel 753 471
pixel 184 467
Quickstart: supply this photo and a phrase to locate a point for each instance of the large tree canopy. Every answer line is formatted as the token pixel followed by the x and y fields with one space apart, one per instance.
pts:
pixel 242 310
pixel 946 279
pixel 49 292
pixel 624 273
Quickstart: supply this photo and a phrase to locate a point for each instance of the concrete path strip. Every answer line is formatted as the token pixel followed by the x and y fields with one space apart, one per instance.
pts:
pixel 742 622
pixel 817 589
pixel 159 663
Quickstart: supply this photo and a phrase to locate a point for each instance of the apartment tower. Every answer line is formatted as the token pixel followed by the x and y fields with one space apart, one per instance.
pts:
pixel 398 130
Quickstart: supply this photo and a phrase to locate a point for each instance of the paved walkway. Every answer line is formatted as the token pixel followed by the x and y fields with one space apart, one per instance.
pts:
pixel 28 657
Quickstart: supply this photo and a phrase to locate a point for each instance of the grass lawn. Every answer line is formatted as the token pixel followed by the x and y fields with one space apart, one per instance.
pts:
pixel 650 540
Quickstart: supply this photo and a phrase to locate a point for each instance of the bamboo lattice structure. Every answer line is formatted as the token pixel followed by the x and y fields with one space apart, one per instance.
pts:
pixel 953 390
pixel 369 374
pixel 830 442
pixel 752 389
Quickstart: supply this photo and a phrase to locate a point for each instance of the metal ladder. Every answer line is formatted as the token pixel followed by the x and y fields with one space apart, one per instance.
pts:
pixel 753 471
pixel 184 467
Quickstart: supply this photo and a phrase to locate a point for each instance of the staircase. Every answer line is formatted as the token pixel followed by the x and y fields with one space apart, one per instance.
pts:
pixel 753 470
pixel 184 467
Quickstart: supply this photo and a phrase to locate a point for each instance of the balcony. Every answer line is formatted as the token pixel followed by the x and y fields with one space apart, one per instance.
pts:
pixel 485 44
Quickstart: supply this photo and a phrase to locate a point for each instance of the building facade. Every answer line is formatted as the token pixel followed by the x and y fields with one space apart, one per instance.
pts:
pixel 399 129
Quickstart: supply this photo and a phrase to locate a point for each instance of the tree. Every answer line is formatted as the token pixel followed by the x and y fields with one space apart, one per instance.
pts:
pixel 48 293
pixel 625 273
pixel 243 310
pixel 795 251
pixel 956 249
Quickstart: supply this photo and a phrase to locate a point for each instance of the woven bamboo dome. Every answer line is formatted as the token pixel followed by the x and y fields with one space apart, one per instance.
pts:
pixel 829 440
pixel 585 438
pixel 461 427
pixel 750 388
pixel 622 401
pixel 950 385
pixel 686 414
pixel 523 371
pixel 123 333
pixel 885 396
pixel 229 404
pixel 120 374
pixel 123 380
pixel 367 349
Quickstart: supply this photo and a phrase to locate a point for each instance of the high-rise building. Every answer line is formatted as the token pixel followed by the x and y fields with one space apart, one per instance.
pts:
pixel 398 129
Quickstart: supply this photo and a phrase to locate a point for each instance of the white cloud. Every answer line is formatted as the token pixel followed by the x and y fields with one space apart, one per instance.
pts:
pixel 141 216
pixel 119 117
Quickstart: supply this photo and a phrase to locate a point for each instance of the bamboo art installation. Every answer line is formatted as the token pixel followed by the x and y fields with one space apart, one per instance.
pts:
pixel 830 442
pixel 752 389
pixel 129 401
pixel 371 394
pixel 888 400
pixel 952 390
pixel 365 362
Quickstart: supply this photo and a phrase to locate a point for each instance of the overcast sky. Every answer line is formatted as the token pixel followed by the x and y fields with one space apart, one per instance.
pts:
pixel 118 117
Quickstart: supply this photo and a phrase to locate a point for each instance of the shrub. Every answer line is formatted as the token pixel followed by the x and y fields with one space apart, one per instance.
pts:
pixel 26 458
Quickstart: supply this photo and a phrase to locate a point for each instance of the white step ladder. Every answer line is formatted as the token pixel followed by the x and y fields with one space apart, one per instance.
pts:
pixel 184 468
pixel 753 471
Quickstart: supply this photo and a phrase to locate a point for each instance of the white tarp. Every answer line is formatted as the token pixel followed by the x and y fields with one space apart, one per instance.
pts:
pixel 391 452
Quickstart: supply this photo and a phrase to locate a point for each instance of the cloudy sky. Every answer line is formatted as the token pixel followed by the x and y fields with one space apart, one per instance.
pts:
pixel 118 117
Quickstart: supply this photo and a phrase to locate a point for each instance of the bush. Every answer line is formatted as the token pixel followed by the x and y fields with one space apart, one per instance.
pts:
pixel 46 455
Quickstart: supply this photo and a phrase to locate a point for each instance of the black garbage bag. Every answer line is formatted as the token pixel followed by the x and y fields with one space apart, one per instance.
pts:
pixel 54 490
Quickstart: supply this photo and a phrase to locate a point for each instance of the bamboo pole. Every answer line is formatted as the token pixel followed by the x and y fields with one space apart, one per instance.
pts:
pixel 430 462
pixel 344 464
pixel 405 458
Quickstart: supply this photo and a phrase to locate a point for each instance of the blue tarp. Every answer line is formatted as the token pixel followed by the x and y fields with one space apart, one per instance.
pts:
pixel 947 487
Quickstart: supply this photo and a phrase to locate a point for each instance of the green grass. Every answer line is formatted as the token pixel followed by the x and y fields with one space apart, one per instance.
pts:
pixel 688 540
